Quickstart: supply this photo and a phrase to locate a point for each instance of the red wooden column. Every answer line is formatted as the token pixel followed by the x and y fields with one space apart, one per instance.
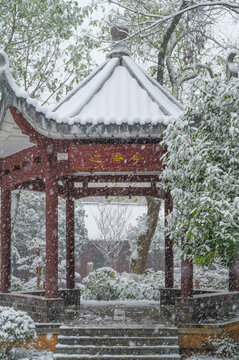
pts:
pixel 70 238
pixel 169 261
pixel 234 275
pixel 51 284
pixel 5 240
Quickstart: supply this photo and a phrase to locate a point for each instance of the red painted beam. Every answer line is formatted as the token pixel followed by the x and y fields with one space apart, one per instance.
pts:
pixel 27 129
pixel 10 181
pixel 118 191
pixel 34 185
pixel 114 178
pixel 21 156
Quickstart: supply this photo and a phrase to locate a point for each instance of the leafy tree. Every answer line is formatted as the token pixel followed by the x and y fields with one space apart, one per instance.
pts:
pixel 202 173
pixel 171 37
pixel 28 236
pixel 48 52
pixel 45 45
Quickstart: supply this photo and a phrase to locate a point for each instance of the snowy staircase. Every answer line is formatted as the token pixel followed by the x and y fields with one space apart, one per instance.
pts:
pixel 128 342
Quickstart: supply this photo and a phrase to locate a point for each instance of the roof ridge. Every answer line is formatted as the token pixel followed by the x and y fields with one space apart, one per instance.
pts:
pixel 109 67
pixel 128 62
pixel 131 70
pixel 163 89
pixel 79 86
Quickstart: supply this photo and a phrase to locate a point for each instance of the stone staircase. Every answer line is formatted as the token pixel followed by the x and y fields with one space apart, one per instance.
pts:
pixel 122 342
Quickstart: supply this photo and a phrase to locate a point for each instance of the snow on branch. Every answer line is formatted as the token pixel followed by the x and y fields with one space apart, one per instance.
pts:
pixel 227 4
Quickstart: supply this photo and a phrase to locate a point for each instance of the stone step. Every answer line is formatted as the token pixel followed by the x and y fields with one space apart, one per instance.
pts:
pixel 135 331
pixel 120 341
pixel 116 357
pixel 116 350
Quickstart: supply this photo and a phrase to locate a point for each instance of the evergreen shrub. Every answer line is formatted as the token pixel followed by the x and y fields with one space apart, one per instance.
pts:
pixel 16 328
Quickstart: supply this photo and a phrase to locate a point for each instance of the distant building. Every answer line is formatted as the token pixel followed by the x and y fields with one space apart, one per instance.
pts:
pixel 93 255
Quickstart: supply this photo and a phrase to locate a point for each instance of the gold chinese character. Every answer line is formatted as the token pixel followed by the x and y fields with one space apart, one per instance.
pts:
pixel 116 157
pixel 95 158
pixel 137 157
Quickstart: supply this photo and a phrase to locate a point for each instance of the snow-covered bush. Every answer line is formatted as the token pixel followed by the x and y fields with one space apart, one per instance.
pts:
pixel 101 284
pixel 31 354
pixel 144 287
pixel 129 289
pixel 202 173
pixel 107 284
pixel 16 284
pixel 215 278
pixel 222 346
pixel 226 346
pixel 16 328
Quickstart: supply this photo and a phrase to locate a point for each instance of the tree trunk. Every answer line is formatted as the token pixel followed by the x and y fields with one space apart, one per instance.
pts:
pixel 164 45
pixel 144 240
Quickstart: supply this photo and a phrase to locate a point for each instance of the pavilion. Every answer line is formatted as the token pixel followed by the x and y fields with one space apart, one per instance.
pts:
pixel 108 129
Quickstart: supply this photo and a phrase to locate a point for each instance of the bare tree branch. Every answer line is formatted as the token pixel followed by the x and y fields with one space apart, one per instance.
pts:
pixel 112 222
pixel 133 10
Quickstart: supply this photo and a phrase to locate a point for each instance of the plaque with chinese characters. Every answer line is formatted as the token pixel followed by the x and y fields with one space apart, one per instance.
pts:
pixel 116 157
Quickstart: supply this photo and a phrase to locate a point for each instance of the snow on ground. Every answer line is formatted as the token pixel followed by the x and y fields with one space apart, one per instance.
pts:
pixel 22 354
pixel 43 355
pixel 206 358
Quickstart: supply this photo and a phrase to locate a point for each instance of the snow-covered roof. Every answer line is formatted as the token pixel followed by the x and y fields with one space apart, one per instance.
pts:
pixel 117 100
pixel 119 92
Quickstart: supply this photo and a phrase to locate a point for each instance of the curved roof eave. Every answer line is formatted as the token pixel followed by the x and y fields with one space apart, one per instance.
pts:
pixel 49 124
pixel 52 129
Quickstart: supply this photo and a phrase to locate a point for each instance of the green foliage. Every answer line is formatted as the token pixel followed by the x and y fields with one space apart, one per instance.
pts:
pixel 16 328
pixel 226 346
pixel 222 345
pixel 107 284
pixel 28 236
pixel 202 173
pixel 101 284
pixel 147 286
pixel 215 278
pixel 47 50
